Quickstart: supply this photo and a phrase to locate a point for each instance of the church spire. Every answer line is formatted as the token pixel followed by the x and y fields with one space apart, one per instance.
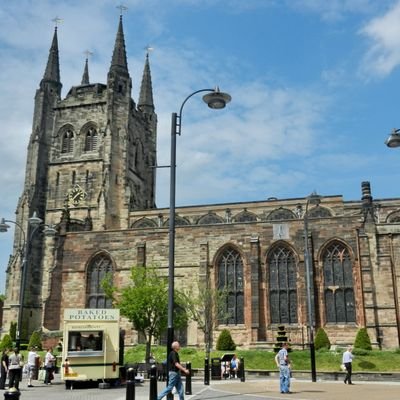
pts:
pixel 85 76
pixel 146 89
pixel 118 61
pixel 52 72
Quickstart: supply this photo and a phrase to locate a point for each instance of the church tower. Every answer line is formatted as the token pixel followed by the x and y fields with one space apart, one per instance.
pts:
pixel 91 158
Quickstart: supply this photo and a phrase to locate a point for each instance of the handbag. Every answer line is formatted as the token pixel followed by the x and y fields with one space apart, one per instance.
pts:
pixel 343 367
pixel 42 375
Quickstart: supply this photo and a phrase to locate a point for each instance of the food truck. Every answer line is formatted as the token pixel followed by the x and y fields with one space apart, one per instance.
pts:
pixel 91 346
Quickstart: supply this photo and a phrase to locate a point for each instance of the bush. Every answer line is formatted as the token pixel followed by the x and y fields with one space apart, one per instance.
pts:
pixel 360 352
pixel 35 340
pixel 225 341
pixel 6 343
pixel 362 340
pixel 13 331
pixel 321 340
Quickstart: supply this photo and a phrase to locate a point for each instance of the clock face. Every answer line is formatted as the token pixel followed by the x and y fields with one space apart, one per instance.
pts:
pixel 76 195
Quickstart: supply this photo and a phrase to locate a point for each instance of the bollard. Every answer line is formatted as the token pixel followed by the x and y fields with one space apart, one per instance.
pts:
pixel 206 372
pixel 153 383
pixel 241 370
pixel 12 394
pixel 188 383
pixel 130 384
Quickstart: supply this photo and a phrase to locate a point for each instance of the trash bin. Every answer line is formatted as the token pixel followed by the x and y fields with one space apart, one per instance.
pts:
pixel 216 369
pixel 12 394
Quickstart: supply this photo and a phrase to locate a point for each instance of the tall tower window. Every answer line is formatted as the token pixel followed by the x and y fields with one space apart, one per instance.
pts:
pixel 91 140
pixel 282 285
pixel 230 279
pixel 96 272
pixel 338 284
pixel 67 142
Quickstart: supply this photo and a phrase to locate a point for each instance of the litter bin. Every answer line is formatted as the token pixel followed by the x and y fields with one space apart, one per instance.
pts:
pixel 216 369
pixel 12 394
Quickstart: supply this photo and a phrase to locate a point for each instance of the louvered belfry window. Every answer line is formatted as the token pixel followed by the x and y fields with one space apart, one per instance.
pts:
pixel 230 280
pixel 338 284
pixel 97 270
pixel 67 142
pixel 282 280
pixel 91 140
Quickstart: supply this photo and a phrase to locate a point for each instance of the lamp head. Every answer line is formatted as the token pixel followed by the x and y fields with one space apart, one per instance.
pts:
pixel 217 99
pixel 314 198
pixel 3 226
pixel 35 220
pixel 50 231
pixel 393 139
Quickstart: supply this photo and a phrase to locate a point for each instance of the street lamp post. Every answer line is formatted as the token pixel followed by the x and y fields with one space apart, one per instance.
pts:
pixel 216 100
pixel 35 223
pixel 311 199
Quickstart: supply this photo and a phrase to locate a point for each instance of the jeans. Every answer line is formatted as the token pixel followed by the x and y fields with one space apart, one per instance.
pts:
pixel 174 379
pixel 284 378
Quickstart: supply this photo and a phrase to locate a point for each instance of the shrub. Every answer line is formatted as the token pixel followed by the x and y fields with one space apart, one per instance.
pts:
pixel 225 341
pixel 321 340
pixel 13 331
pixel 6 343
pixel 362 340
pixel 360 352
pixel 35 340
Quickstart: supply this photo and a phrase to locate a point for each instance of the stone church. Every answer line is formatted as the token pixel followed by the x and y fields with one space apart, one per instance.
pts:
pixel 89 172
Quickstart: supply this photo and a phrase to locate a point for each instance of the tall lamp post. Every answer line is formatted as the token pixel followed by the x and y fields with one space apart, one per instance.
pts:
pixel 313 199
pixel 34 223
pixel 216 100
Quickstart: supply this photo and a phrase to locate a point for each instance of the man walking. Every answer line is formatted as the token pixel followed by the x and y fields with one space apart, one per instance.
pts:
pixel 347 361
pixel 174 377
pixel 32 372
pixel 283 363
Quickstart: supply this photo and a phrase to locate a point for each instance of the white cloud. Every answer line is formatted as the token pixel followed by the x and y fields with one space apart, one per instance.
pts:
pixel 383 56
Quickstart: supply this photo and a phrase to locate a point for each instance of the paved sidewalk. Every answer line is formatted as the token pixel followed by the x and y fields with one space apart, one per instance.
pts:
pixel 304 390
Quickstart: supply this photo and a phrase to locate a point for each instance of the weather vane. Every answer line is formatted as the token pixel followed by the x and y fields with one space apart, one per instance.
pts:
pixel 88 53
pixel 122 8
pixel 148 48
pixel 56 21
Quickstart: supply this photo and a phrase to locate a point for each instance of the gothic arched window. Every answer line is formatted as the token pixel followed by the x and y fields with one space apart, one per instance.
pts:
pixel 96 272
pixel 67 142
pixel 91 140
pixel 230 280
pixel 338 284
pixel 282 285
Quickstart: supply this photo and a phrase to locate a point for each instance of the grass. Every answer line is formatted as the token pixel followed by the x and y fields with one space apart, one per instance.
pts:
pixel 327 361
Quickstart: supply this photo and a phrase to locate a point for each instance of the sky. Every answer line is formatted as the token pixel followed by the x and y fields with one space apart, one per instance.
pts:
pixel 314 86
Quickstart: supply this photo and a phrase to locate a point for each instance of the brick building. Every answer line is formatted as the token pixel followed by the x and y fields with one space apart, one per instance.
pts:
pixel 89 173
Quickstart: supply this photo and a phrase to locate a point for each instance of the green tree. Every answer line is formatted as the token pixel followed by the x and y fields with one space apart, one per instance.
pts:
pixel 35 340
pixel 362 340
pixel 225 341
pixel 206 308
pixel 6 343
pixel 322 340
pixel 145 303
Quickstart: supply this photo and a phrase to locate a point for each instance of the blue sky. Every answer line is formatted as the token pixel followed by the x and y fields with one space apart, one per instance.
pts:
pixel 314 86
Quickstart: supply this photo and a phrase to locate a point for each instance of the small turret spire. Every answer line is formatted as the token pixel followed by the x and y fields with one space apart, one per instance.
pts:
pixel 85 76
pixel 146 103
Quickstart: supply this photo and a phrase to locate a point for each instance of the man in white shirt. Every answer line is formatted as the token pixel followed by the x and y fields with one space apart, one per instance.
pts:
pixel 32 356
pixel 283 363
pixel 347 361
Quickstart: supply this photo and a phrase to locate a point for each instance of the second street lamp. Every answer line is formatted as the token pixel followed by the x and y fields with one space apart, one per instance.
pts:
pixel 313 199
pixel 393 139
pixel 216 100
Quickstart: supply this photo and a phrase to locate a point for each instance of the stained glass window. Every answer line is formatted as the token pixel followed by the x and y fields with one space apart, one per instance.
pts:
pixel 282 281
pixel 338 284
pixel 230 279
